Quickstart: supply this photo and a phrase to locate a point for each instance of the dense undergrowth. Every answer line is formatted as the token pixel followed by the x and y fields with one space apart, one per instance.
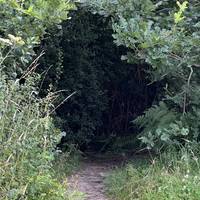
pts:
pixel 159 39
pixel 28 139
pixel 164 35
pixel 109 92
pixel 28 157
pixel 172 176
pixel 160 42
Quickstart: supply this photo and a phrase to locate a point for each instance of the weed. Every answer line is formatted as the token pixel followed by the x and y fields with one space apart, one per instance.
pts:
pixel 172 176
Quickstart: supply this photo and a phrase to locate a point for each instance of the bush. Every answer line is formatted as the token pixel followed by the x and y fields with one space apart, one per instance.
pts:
pixel 28 21
pixel 28 139
pixel 110 92
pixel 27 134
pixel 165 35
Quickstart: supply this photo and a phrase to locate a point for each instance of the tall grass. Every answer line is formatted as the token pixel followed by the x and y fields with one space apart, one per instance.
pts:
pixel 27 145
pixel 172 176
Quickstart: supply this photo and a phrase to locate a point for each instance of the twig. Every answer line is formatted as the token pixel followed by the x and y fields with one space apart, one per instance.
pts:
pixel 32 66
pixel 6 56
pixel 185 94
pixel 44 78
pixel 62 102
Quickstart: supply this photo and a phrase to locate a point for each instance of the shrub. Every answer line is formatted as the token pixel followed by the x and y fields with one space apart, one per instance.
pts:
pixel 165 35
pixel 27 135
pixel 28 138
pixel 28 20
pixel 110 92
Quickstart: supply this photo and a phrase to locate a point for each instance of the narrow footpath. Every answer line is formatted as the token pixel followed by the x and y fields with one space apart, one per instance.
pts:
pixel 90 178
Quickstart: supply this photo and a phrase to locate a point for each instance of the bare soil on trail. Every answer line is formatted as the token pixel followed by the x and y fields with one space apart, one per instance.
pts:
pixel 90 178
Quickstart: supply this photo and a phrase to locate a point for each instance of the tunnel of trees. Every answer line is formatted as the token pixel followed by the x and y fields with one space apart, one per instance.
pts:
pixel 81 57
pixel 119 76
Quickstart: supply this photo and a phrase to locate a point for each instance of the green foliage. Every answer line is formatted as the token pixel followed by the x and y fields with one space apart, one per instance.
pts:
pixel 175 178
pixel 27 134
pixel 160 127
pixel 66 162
pixel 81 115
pixel 28 20
pixel 78 59
pixel 28 138
pixel 51 63
pixel 165 35
pixel 124 143
pixel 178 16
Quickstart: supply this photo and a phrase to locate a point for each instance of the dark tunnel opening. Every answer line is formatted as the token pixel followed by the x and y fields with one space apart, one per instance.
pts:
pixel 110 93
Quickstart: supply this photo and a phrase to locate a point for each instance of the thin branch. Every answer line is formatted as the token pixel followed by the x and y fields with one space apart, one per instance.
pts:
pixel 32 66
pixel 56 92
pixel 44 78
pixel 62 102
pixel 185 94
pixel 6 56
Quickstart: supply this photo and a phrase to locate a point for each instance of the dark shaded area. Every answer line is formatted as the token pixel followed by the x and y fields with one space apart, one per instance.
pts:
pixel 110 92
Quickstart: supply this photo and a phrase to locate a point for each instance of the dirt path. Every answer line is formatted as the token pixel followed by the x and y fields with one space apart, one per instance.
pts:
pixel 89 179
